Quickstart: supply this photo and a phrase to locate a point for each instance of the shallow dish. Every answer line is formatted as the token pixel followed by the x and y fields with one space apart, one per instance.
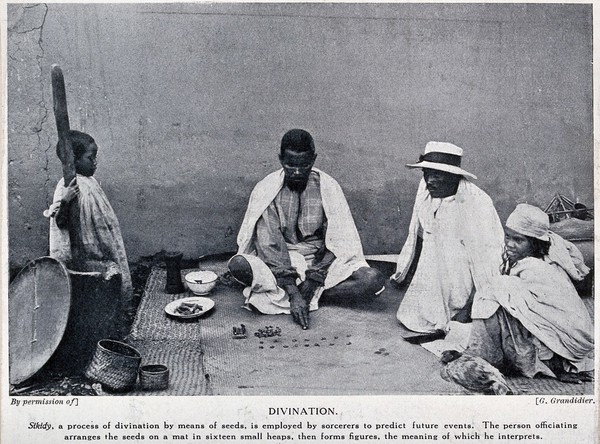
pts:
pixel 201 282
pixel 205 303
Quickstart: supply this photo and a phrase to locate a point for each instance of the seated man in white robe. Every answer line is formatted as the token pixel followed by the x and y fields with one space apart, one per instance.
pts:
pixel 298 240
pixel 457 230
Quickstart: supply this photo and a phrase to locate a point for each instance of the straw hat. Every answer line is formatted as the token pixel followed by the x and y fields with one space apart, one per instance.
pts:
pixel 442 156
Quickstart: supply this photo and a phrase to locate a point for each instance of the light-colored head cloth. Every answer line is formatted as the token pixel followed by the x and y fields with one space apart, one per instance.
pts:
pixel 529 221
pixel 442 156
pixel 533 222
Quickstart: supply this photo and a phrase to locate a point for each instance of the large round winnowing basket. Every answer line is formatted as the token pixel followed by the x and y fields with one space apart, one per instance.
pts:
pixel 39 302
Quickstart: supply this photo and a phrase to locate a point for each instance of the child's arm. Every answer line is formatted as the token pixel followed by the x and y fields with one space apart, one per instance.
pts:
pixel 62 215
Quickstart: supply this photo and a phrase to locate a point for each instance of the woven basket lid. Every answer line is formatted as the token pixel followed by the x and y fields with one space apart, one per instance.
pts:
pixel 39 299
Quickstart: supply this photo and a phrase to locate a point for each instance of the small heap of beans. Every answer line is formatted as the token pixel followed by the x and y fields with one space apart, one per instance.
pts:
pixel 268 332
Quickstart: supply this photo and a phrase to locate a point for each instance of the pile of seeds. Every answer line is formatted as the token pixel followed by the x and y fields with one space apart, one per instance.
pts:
pixel 239 332
pixel 268 332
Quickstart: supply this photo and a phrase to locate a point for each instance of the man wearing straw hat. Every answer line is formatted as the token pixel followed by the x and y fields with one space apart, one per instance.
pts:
pixel 455 239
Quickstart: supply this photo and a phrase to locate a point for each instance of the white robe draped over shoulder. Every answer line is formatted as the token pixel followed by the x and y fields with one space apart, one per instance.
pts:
pixel 100 230
pixel 539 293
pixel 462 249
pixel 341 238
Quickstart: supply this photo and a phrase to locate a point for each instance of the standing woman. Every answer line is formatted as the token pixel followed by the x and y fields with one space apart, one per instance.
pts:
pixel 530 320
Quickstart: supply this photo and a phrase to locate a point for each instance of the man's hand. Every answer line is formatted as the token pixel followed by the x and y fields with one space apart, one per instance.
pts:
pixel 298 306
pixel 308 288
pixel 71 191
pixel 52 210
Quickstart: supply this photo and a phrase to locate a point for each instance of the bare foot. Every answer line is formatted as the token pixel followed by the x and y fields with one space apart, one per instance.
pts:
pixel 569 378
pixel 586 376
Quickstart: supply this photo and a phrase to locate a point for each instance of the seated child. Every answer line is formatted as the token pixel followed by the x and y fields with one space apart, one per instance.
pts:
pixel 100 237
pixel 530 320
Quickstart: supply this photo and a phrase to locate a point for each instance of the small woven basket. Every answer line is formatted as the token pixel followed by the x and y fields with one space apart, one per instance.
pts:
pixel 114 365
pixel 154 377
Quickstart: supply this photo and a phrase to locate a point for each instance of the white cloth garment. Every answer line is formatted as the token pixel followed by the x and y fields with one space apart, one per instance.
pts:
pixel 541 296
pixel 265 295
pixel 101 233
pixel 341 238
pixel 462 249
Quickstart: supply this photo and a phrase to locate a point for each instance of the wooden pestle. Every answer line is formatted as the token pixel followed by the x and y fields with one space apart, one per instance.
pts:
pixel 64 151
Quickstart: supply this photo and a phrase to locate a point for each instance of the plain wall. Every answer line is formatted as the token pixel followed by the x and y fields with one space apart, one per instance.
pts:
pixel 188 103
